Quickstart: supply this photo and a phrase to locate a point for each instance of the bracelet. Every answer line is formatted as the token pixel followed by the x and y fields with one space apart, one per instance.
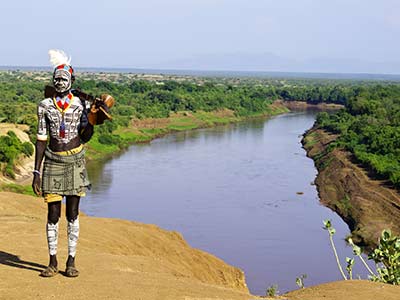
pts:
pixel 36 172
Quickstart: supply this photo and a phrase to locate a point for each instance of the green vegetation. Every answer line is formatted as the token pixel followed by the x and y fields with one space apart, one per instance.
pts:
pixel 310 140
pixel 300 281
pixel 138 100
pixel 344 204
pixel 10 149
pixel 16 188
pixel 386 257
pixel 332 231
pixel 272 291
pixel 369 127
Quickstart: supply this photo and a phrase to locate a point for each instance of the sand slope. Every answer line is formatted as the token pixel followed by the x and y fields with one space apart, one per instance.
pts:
pixel 118 260
pixel 347 290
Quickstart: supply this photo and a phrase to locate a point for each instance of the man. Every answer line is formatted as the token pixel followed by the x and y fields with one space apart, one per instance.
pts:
pixel 63 118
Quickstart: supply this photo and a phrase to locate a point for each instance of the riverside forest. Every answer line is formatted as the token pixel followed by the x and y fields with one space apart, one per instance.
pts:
pixel 369 126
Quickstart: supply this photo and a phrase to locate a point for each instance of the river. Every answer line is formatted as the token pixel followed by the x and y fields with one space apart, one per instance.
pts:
pixel 243 192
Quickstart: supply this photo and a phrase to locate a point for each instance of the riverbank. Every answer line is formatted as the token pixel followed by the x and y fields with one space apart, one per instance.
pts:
pixel 303 105
pixel 121 259
pixel 366 204
pixel 146 130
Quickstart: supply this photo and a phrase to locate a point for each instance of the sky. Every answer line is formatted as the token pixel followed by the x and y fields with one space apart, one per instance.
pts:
pixel 344 36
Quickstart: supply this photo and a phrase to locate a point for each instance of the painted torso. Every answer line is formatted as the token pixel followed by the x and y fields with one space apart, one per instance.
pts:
pixel 61 125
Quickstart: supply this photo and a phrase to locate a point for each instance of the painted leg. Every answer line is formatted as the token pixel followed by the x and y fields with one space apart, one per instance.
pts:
pixel 73 235
pixel 53 216
pixel 52 238
pixel 52 241
pixel 72 211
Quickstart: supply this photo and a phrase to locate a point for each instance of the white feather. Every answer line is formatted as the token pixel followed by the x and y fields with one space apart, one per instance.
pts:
pixel 58 57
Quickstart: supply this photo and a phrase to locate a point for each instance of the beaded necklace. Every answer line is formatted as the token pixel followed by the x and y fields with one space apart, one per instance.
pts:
pixel 62 106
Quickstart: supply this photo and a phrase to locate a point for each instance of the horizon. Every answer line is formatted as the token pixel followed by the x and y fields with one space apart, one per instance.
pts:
pixel 219 73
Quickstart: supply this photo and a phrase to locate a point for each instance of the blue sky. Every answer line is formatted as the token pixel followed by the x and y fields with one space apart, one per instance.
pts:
pixel 264 35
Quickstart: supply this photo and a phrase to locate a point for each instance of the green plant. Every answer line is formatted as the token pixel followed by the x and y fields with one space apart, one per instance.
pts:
pixel 300 280
pixel 349 267
pixel 332 231
pixel 344 205
pixel 387 258
pixel 357 252
pixel 272 291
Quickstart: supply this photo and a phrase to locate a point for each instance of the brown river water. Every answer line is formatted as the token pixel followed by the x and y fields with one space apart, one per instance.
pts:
pixel 241 192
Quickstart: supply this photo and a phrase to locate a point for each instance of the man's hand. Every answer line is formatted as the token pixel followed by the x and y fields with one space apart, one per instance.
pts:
pixel 36 184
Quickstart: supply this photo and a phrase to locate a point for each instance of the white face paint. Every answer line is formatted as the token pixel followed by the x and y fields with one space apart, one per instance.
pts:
pixel 62 81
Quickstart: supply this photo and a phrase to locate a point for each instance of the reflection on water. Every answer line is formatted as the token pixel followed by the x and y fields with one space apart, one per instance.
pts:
pixel 231 191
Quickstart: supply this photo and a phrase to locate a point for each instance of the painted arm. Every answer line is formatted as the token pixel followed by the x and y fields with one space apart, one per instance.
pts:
pixel 40 147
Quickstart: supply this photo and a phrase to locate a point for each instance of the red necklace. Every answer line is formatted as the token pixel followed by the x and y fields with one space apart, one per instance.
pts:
pixel 62 107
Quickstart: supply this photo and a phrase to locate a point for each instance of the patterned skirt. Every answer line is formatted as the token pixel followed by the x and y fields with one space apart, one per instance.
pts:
pixel 65 174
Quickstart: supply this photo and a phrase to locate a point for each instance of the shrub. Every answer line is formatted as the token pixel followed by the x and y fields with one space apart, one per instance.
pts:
pixel 386 256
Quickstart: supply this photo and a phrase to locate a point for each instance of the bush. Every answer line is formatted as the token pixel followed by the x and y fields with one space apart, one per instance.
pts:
pixel 388 254
pixel 27 148
pixel 109 139
pixel 10 149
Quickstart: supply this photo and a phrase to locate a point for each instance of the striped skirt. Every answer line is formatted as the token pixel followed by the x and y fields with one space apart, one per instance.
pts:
pixel 65 174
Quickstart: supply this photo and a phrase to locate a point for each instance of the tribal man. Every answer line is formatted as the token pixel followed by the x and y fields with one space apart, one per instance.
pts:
pixel 65 120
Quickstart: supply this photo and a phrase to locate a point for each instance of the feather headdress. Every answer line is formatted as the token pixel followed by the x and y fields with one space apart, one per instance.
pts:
pixel 58 57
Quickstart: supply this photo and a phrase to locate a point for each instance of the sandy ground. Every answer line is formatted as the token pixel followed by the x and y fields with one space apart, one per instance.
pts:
pixel 127 260
pixel 118 260
pixel 347 290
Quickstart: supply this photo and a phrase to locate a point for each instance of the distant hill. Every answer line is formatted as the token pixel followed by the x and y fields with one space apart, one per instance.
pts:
pixel 220 73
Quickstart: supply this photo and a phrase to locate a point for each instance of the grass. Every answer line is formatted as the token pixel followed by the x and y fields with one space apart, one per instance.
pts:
pixel 182 127
pixel 325 163
pixel 344 204
pixel 310 140
pixel 211 119
pixel 153 131
pixel 17 188
pixel 97 150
